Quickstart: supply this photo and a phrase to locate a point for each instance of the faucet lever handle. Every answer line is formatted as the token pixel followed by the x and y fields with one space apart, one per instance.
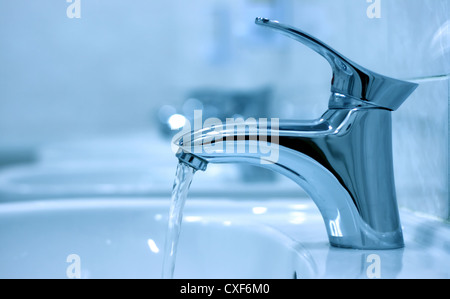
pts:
pixel 350 79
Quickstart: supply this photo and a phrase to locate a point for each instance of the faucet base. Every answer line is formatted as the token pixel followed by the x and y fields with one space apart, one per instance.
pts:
pixel 385 241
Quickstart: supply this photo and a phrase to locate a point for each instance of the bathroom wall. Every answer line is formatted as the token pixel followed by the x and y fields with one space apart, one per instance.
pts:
pixel 410 41
pixel 110 71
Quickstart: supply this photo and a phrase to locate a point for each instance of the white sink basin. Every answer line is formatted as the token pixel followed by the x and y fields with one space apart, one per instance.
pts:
pixel 123 238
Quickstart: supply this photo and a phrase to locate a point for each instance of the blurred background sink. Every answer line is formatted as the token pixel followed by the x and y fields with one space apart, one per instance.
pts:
pixel 131 165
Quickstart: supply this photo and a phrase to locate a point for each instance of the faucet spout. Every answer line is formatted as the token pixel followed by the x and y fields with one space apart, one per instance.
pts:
pixel 342 160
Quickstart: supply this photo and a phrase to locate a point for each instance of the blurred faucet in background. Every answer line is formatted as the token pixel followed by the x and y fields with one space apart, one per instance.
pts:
pixel 221 104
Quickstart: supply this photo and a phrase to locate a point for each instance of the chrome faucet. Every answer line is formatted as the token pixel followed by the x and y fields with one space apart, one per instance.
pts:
pixel 343 160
